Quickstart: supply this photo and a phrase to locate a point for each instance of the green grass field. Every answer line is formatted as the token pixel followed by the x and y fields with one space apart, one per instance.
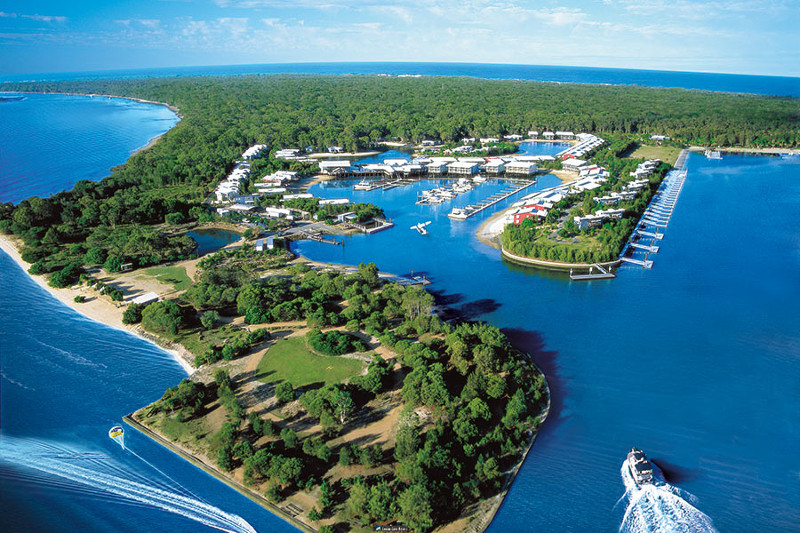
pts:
pixel 290 360
pixel 668 154
pixel 170 274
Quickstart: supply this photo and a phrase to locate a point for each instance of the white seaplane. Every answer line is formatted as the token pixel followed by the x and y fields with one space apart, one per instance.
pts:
pixel 421 227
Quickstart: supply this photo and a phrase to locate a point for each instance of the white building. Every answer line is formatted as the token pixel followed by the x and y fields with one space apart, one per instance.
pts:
pixel 527 168
pixel 495 166
pixel 568 135
pixel 549 135
pixel 573 164
pixel 254 151
pixel 329 167
pixel 487 140
pixel 463 167
pixel 334 201
pixel 513 137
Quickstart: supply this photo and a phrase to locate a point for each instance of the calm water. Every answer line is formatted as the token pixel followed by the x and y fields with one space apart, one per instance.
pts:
pixel 50 142
pixel 697 361
pixel 210 240
pixel 775 85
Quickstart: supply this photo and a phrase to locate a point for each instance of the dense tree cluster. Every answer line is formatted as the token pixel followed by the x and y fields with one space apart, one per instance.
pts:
pixel 334 342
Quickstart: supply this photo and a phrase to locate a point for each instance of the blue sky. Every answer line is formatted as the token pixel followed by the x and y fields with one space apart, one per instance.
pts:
pixel 750 37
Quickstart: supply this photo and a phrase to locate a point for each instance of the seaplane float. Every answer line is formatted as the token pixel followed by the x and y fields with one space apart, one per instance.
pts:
pixel 421 227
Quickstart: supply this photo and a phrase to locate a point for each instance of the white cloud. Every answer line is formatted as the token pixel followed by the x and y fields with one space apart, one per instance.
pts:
pixel 37 17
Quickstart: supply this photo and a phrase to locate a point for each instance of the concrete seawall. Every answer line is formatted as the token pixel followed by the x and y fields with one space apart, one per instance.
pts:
pixel 553 265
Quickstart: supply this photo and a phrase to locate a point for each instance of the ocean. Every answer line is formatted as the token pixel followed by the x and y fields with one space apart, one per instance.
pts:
pixel 696 361
pixel 771 85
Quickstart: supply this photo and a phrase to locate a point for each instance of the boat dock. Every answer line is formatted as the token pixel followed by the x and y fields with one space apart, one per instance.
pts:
pixel 474 209
pixel 656 217
pixel 313 236
pixel 601 273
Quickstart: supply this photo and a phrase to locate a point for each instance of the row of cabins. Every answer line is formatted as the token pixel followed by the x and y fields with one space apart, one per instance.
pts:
pixel 644 170
pixel 396 168
pixel 551 136
pixel 587 144
pixel 231 185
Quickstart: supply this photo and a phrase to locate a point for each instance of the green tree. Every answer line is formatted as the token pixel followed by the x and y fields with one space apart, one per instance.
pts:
pixel 209 318
pixel 162 317
pixel 284 392
pixel 415 508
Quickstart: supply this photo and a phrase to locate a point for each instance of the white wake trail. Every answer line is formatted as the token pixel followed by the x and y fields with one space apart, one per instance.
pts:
pixel 660 508
pixel 37 456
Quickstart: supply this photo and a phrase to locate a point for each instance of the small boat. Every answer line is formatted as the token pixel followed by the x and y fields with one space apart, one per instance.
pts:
pixel 115 432
pixel 713 154
pixel 640 468
pixel 459 213
pixel 362 185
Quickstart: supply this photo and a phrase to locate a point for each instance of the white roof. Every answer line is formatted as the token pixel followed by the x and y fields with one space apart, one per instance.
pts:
pixel 146 298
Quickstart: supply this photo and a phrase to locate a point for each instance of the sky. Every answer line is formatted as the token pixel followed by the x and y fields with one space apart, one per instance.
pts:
pixel 740 37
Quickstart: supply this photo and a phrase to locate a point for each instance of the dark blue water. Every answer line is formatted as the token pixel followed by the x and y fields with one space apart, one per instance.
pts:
pixel 65 381
pixel 696 361
pixel 210 240
pixel 50 142
pixel 774 85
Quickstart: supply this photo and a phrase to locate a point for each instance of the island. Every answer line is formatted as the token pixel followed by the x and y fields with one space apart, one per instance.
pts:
pixel 335 396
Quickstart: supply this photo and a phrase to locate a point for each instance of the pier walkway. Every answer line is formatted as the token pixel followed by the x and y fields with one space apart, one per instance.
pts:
pixel 601 273
pixel 474 209
pixel 657 216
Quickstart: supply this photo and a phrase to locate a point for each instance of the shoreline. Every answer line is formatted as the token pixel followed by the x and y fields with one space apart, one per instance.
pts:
pixel 98 309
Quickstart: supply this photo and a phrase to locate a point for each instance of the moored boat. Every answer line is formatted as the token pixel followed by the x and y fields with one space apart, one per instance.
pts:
pixel 640 468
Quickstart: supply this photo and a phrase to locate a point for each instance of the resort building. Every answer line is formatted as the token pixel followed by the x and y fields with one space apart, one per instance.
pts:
pixel 513 137
pixel 298 196
pixel 436 167
pixel 549 135
pixel 254 151
pixel 573 164
pixel 335 149
pixel 588 221
pixel 567 135
pixel 488 140
pixel 334 201
pixel 463 167
pixel 527 168
pixel 331 167
pixel 533 134
pixel 287 153
pixel 495 166
pixel 615 214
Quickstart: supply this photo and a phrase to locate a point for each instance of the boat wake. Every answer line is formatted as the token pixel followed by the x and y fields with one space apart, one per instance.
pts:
pixel 660 507
pixel 76 471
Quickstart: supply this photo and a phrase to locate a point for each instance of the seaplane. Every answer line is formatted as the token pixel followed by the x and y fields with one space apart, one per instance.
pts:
pixel 421 227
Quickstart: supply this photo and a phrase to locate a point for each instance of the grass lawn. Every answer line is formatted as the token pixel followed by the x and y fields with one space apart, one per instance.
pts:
pixel 198 340
pixel 170 274
pixel 290 360
pixel 668 154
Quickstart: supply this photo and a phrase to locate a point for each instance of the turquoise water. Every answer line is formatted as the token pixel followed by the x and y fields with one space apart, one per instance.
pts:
pixel 211 240
pixel 696 361
pixel 50 142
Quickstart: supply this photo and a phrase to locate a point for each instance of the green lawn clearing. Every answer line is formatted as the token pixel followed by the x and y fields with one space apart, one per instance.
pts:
pixel 290 360
pixel 170 274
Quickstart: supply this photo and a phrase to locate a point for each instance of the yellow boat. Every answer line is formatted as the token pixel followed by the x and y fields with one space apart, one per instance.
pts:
pixel 115 432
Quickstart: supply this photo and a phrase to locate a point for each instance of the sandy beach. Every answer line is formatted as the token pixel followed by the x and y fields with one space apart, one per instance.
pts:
pixel 97 308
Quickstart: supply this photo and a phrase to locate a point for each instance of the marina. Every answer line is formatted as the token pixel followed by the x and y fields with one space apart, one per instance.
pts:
pixel 473 209
pixel 656 217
